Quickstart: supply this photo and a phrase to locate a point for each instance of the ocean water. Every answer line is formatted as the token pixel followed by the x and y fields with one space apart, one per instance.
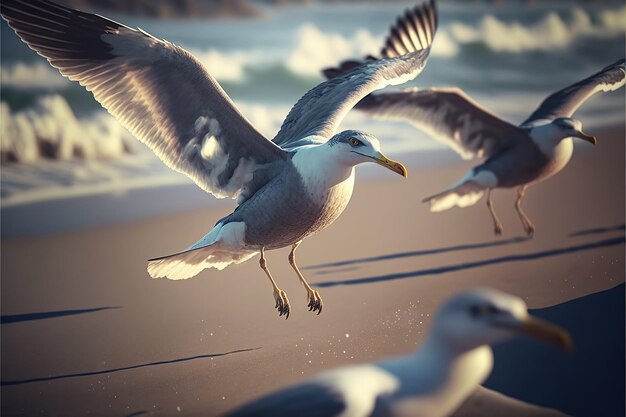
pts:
pixel 508 58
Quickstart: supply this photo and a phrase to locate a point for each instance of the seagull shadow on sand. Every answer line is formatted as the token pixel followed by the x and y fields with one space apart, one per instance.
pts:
pixel 124 368
pixel 477 264
pixel 416 253
pixel 16 318
pixel 599 230
pixel 140 413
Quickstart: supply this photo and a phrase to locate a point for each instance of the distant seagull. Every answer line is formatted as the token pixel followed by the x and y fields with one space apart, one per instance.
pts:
pixel 432 382
pixel 515 156
pixel 287 188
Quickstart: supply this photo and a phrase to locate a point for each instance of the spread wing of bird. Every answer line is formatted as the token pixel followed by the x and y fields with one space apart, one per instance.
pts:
pixel 448 115
pixel 565 102
pixel 305 400
pixel 354 391
pixel 317 115
pixel 157 90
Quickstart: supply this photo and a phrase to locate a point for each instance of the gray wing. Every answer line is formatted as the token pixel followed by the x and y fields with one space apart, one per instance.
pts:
pixel 306 400
pixel 320 111
pixel 448 115
pixel 564 103
pixel 157 90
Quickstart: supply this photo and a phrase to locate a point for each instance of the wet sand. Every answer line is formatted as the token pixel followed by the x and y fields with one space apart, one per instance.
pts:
pixel 85 331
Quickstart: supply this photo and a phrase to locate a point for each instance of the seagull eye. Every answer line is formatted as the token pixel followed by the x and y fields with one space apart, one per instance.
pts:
pixel 483 310
pixel 354 142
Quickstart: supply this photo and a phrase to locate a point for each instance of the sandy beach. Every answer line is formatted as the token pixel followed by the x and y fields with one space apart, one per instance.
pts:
pixel 85 331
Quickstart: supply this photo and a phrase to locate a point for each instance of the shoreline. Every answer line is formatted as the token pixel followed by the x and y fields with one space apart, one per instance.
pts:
pixel 123 201
pixel 99 205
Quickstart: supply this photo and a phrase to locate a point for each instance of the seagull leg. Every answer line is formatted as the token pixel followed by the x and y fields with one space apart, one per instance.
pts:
pixel 282 303
pixel 313 297
pixel 528 225
pixel 497 226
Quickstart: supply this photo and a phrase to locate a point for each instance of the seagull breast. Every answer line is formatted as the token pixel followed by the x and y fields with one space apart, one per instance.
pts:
pixel 327 182
pixel 296 203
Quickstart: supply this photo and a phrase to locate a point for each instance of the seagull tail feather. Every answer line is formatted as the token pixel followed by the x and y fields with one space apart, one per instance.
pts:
pixel 463 195
pixel 191 262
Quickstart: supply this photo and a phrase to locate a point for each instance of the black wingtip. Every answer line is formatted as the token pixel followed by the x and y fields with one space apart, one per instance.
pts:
pixel 410 33
pixel 59 33
pixel 413 31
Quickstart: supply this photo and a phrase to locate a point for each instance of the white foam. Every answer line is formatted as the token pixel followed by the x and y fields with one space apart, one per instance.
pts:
pixel 31 76
pixel 225 66
pixel 316 49
pixel 266 119
pixel 551 32
pixel 444 45
pixel 51 130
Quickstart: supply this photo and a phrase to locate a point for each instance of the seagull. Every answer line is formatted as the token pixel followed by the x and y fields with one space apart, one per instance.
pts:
pixel 286 189
pixel 432 382
pixel 514 156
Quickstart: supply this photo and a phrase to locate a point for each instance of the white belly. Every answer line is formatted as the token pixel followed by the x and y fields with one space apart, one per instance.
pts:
pixel 561 155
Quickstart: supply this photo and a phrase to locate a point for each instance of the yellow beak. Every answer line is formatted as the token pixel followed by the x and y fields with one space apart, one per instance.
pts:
pixel 547 332
pixel 591 139
pixel 395 166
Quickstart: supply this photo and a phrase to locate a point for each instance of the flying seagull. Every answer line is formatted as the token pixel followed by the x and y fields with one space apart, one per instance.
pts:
pixel 287 188
pixel 432 382
pixel 513 156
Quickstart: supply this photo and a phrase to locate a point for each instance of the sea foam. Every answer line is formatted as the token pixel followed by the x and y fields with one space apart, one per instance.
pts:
pixel 50 130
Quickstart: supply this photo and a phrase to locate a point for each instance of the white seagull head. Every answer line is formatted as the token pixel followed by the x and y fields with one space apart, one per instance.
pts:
pixel 354 147
pixel 568 127
pixel 485 317
pixel 559 129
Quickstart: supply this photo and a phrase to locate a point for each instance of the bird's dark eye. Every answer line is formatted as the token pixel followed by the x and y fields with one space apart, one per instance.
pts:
pixel 354 142
pixel 483 310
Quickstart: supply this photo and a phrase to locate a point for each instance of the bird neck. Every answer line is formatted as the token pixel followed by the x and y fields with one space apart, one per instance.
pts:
pixel 548 138
pixel 447 352
pixel 320 164
pixel 447 375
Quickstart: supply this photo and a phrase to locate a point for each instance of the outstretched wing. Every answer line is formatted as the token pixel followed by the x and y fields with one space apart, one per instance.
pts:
pixel 565 102
pixel 306 400
pixel 355 390
pixel 448 115
pixel 157 90
pixel 320 111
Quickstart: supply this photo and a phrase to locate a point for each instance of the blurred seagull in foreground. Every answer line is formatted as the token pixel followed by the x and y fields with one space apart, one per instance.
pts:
pixel 515 156
pixel 433 382
pixel 287 188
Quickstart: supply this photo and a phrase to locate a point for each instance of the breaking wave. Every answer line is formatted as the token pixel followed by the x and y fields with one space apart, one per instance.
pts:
pixel 31 76
pixel 552 32
pixel 50 130
pixel 316 49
